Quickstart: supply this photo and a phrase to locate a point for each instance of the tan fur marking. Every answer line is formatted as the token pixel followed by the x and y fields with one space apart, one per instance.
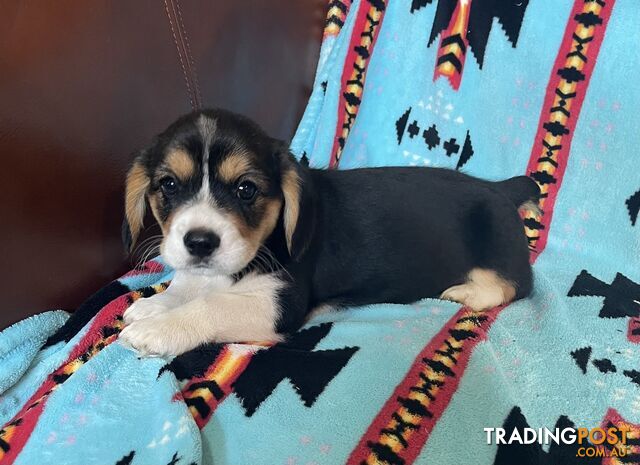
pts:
pixel 484 289
pixel 234 166
pixel 531 207
pixel 181 164
pixel 291 191
pixel 136 187
pixel 256 236
pixel 154 201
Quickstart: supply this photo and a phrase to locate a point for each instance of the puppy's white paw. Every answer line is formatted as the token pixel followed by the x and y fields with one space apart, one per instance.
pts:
pixel 459 293
pixel 144 308
pixel 162 334
pixel 474 296
pixel 483 290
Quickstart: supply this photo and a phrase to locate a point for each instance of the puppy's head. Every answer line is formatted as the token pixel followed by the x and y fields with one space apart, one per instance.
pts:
pixel 218 186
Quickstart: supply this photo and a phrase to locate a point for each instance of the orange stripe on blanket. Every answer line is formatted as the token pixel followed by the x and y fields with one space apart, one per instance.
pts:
pixel 337 11
pixel 363 38
pixel 399 431
pixel 627 451
pixel 203 394
pixel 566 90
pixel 453 46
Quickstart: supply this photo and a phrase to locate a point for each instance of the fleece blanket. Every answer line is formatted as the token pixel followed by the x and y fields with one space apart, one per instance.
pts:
pixel 546 88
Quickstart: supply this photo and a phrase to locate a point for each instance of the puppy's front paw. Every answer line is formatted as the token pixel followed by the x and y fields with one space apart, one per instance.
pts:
pixel 162 334
pixel 144 308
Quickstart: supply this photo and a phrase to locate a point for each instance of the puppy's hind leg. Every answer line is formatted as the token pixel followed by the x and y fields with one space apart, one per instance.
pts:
pixel 484 289
pixel 498 249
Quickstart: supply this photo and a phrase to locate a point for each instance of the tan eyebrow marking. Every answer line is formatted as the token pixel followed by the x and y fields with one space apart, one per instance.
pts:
pixel 234 166
pixel 181 164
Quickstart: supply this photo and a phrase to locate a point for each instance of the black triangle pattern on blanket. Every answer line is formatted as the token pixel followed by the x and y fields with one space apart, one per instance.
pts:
pixel 193 364
pixel 128 459
pixel 621 300
pixel 581 357
pixel 633 206
pixel 432 138
pixel 87 310
pixel 509 13
pixel 533 454
pixel 621 297
pixel 308 370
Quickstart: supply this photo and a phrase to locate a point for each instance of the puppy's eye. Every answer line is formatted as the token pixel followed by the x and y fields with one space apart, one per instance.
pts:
pixel 246 191
pixel 169 186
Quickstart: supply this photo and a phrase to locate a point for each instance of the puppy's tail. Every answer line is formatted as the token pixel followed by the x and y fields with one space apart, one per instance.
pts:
pixel 522 191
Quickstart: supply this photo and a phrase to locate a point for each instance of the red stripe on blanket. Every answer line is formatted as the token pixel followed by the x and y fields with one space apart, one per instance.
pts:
pixel 103 331
pixel 150 267
pixel 565 94
pixel 399 431
pixel 627 451
pixel 203 394
pixel 16 433
pixel 633 332
pixel 363 38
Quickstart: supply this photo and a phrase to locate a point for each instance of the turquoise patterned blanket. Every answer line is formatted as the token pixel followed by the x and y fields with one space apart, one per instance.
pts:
pixel 546 88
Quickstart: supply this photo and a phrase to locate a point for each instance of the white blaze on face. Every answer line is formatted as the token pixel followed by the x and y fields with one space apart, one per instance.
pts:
pixel 207 128
pixel 233 253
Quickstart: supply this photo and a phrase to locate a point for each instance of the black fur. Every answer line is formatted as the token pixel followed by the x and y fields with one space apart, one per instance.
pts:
pixel 396 235
pixel 365 236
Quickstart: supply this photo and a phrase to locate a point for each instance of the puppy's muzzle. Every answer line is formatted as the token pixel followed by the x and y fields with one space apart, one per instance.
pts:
pixel 201 242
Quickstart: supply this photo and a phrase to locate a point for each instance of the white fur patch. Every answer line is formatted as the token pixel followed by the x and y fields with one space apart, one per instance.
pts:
pixel 212 310
pixel 207 127
pixel 233 253
pixel 483 290
pixel 531 207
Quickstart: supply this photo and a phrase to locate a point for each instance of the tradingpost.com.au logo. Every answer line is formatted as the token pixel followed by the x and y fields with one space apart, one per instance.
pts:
pixel 592 442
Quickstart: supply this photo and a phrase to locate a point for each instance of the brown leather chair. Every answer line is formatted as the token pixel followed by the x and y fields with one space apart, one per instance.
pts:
pixel 85 84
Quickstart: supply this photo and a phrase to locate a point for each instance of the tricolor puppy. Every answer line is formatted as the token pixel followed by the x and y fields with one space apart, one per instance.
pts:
pixel 258 239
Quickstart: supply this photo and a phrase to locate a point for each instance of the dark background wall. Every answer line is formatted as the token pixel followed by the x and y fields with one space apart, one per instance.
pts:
pixel 85 84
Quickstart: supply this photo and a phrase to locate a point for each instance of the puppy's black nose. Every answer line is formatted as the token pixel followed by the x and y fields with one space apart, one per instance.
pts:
pixel 201 242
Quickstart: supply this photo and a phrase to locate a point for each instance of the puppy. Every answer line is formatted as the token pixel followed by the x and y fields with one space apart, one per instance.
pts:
pixel 258 239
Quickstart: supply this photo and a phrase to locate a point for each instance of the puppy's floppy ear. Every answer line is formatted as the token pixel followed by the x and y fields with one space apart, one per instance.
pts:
pixel 137 186
pixel 299 202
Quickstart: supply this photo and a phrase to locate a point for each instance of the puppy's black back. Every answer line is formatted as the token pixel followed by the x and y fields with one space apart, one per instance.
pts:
pixel 401 234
